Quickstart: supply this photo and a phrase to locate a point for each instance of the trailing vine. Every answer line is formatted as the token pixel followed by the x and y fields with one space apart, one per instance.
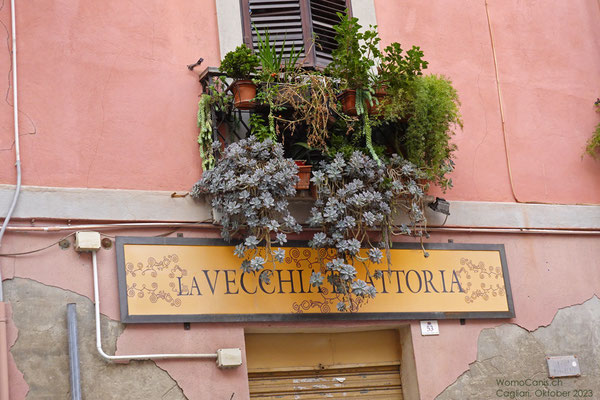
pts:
pixel 205 136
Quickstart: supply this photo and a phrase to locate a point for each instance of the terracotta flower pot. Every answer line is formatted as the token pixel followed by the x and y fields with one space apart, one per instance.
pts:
pixel 304 175
pixel 348 99
pixel 244 92
pixel 377 108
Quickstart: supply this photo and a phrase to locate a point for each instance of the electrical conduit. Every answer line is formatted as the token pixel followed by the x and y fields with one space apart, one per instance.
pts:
pixel 3 339
pixel 128 357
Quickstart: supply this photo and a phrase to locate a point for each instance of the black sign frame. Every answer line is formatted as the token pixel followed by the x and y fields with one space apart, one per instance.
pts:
pixel 121 241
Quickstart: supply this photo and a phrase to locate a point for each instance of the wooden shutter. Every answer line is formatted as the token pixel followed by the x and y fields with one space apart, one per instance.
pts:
pixel 297 22
pixel 373 382
pixel 324 17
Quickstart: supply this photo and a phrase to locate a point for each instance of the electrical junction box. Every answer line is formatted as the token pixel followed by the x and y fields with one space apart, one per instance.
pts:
pixel 229 358
pixel 87 241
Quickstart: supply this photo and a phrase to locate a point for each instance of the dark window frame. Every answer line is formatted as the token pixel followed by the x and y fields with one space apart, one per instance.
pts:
pixel 310 58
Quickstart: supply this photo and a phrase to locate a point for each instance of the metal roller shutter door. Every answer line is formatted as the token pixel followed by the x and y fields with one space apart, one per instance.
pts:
pixel 372 382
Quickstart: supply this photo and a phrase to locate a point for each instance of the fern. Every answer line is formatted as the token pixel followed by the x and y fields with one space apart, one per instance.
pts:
pixel 433 115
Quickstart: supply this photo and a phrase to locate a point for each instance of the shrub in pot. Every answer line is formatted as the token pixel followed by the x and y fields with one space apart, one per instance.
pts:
pixel 241 64
pixel 357 53
pixel 433 115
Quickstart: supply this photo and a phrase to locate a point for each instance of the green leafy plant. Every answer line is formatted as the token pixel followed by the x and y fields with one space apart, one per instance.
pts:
pixel 397 69
pixel 274 62
pixel 275 66
pixel 356 53
pixel 593 143
pixel 353 60
pixel 240 63
pixel 221 99
pixel 395 73
pixel 433 114
pixel 260 129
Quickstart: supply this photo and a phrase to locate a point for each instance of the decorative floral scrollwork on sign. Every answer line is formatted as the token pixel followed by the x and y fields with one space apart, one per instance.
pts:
pixel 328 304
pixel 151 290
pixel 483 292
pixel 476 272
pixel 152 266
pixel 305 259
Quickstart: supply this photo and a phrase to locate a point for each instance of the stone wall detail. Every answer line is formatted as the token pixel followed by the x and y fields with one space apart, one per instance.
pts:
pixel 511 361
pixel 41 349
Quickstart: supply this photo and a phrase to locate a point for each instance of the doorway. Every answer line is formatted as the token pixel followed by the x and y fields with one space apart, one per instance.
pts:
pixel 303 366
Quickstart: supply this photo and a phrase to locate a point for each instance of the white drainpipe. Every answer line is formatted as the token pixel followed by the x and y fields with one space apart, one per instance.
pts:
pixel 4 394
pixel 16 122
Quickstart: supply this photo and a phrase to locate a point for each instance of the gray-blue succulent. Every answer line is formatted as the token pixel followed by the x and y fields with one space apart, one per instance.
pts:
pixel 356 197
pixel 249 187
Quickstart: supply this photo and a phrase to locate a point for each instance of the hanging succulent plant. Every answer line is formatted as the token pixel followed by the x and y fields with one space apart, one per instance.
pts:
pixel 357 197
pixel 249 187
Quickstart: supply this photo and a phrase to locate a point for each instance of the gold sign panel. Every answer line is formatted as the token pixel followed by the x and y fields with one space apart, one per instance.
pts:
pixel 188 280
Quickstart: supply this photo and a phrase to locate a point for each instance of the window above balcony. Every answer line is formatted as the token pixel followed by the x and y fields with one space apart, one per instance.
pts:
pixel 294 25
pixel 231 26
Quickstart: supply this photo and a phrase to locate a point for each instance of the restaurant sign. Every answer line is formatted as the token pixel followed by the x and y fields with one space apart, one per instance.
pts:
pixel 200 280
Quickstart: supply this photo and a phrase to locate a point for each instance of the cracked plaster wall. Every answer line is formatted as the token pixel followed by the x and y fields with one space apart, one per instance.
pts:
pixel 41 349
pixel 509 352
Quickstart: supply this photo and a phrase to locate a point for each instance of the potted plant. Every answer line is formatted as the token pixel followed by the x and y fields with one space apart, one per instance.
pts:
pixel 303 174
pixel 394 73
pixel 260 130
pixel 432 116
pixel 276 67
pixel 352 61
pixel 366 172
pixel 241 64
pixel 310 109
pixel 249 187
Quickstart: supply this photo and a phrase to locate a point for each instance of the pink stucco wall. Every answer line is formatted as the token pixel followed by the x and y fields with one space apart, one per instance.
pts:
pixel 536 266
pixel 548 56
pixel 105 89
pixel 106 102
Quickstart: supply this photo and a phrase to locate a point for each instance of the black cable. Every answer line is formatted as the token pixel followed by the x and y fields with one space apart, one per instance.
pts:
pixel 23 253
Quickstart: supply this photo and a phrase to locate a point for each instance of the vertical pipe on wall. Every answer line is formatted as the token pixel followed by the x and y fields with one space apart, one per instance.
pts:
pixel 3 353
pixel 73 351
pixel 3 339
pixel 15 121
